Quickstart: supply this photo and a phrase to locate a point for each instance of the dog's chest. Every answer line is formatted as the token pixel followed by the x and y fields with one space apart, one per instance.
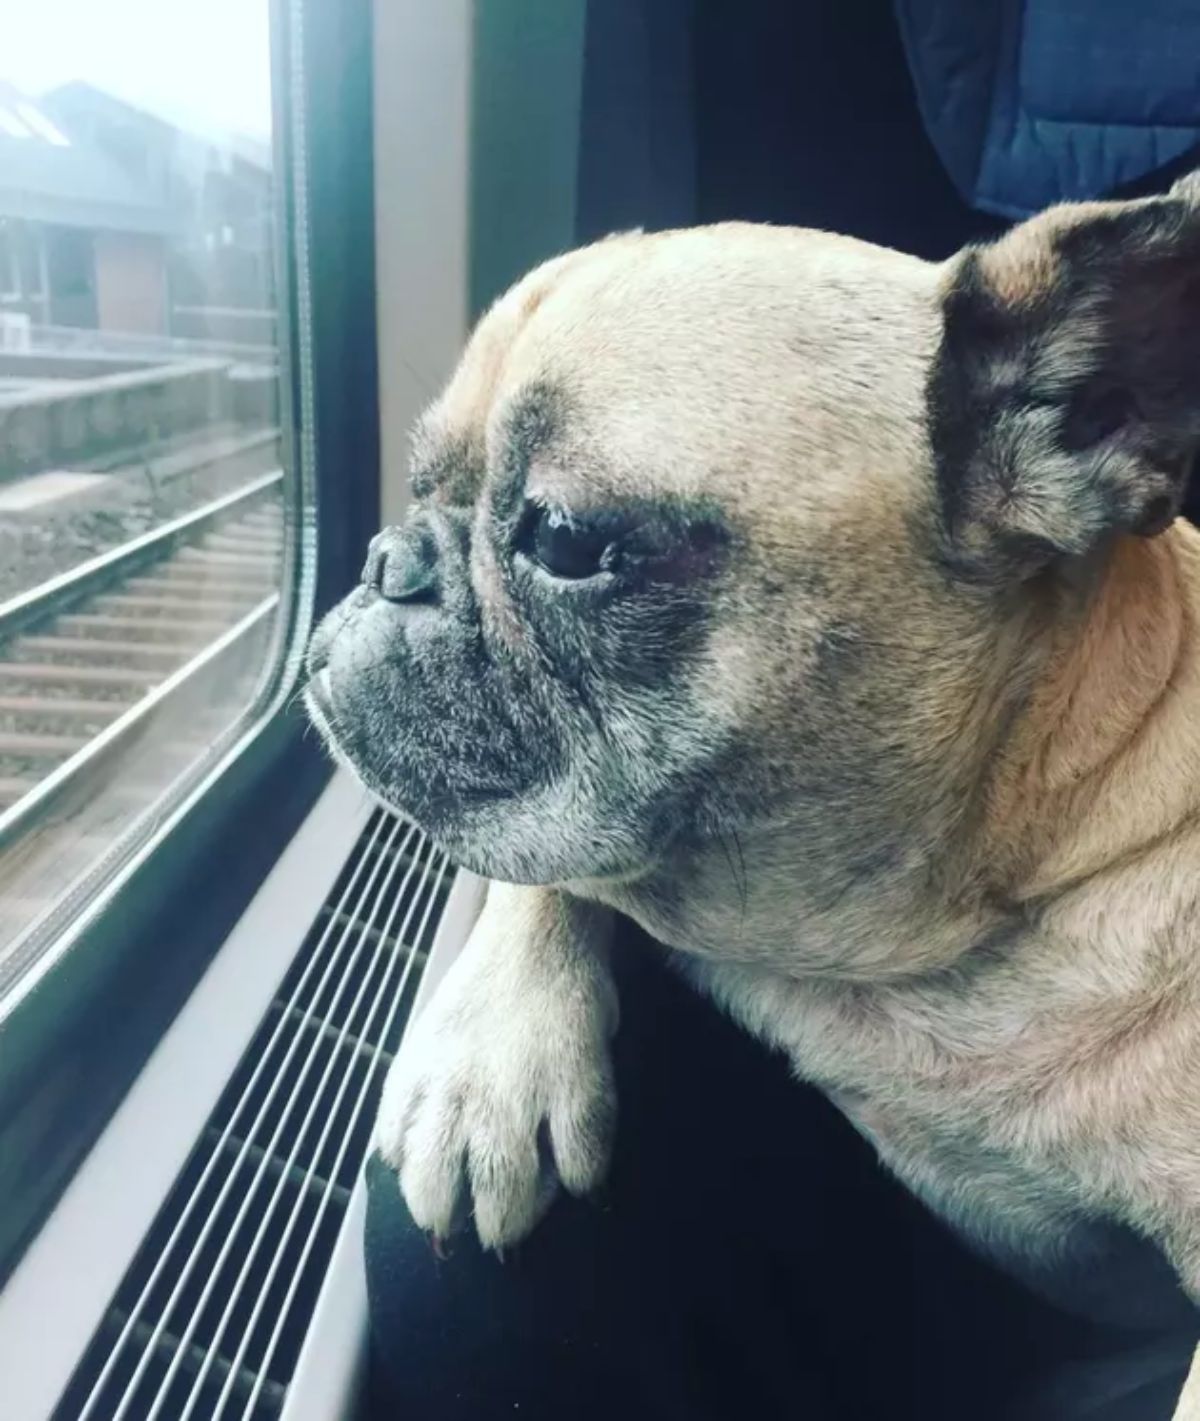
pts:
pixel 1032 1222
pixel 1002 1200
pixel 965 1124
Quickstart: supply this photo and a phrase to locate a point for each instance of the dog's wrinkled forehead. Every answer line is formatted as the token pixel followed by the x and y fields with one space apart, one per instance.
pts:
pixel 694 362
pixel 449 443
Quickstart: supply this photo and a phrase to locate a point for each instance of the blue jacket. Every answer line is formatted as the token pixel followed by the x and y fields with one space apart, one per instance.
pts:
pixel 1030 102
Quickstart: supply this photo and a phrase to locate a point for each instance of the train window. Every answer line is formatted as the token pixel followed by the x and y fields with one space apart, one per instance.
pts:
pixel 147 572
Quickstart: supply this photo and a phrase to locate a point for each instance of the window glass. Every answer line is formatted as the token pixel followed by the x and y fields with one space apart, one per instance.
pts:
pixel 10 288
pixel 144 563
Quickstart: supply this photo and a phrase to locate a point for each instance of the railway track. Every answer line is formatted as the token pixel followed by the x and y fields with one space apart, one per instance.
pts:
pixel 82 654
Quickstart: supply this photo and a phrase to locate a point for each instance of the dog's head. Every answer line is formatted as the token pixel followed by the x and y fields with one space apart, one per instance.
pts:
pixel 724 531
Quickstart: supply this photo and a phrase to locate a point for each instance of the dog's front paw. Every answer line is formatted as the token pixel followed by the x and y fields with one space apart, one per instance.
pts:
pixel 503 1087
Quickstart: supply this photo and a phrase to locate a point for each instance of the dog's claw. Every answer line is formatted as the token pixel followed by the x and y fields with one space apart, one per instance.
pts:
pixel 440 1251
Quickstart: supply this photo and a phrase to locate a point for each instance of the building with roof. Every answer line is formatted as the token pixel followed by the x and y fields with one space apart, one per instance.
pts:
pixel 115 219
pixel 81 242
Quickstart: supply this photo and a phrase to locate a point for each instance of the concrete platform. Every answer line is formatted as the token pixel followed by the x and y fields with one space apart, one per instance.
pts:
pixel 33 493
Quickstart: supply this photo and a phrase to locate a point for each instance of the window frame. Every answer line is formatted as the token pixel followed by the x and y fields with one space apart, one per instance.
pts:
pixel 75 1034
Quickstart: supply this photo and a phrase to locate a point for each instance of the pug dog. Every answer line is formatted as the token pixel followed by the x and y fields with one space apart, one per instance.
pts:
pixel 827 612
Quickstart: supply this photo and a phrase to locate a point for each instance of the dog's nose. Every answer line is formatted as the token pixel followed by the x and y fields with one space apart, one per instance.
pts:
pixel 401 564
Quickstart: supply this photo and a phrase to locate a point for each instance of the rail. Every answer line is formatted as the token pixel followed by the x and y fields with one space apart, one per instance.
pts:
pixel 98 574
pixel 92 757
pixel 88 656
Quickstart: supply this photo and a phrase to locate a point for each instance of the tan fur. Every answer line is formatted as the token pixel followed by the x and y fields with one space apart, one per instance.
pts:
pixel 1024 268
pixel 968 804
pixel 1110 724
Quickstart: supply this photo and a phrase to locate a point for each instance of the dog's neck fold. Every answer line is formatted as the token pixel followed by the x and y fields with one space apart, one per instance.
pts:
pixel 1105 759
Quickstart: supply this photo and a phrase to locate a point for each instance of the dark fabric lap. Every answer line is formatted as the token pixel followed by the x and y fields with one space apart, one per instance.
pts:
pixel 749 1259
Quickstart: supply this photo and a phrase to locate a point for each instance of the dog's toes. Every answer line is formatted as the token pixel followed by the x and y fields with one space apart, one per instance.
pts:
pixel 581 1136
pixel 431 1177
pixel 509 1191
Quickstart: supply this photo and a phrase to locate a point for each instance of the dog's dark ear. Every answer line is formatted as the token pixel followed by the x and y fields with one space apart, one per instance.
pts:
pixel 1064 401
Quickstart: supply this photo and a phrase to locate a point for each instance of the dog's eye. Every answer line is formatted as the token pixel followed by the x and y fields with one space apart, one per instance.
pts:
pixel 567 547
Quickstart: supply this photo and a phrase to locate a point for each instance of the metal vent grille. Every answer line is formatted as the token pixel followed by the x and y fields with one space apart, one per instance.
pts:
pixel 209 1320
